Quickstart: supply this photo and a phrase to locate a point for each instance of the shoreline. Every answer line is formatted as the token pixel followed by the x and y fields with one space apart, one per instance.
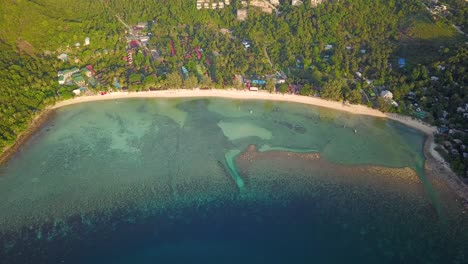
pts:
pixel 434 162
pixel 436 166
pixel 253 95
pixel 33 127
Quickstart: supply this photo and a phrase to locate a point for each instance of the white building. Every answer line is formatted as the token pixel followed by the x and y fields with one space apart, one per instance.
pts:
pixel 77 91
pixel 61 79
pixel 86 41
pixel 142 25
pixel 275 2
pixel 386 94
pixel 315 2
pixel 296 2
pixel 63 57
pixel 212 4
pixel 242 14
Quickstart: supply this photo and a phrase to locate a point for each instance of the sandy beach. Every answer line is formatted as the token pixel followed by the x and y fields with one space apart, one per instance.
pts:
pixel 434 161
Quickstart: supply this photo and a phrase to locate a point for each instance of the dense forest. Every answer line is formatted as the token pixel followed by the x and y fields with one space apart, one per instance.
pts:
pixel 459 13
pixel 340 50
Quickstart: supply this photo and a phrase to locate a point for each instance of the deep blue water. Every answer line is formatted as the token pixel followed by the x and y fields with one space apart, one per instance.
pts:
pixel 300 231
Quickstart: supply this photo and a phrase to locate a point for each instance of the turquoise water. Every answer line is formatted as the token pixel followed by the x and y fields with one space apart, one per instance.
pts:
pixel 141 180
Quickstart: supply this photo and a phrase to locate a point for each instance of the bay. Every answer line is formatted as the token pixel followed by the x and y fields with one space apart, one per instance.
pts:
pixel 177 180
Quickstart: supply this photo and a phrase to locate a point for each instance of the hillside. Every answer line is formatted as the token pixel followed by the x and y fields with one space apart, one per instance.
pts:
pixel 48 24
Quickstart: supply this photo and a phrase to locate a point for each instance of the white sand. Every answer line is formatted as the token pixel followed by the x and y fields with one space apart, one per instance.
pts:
pixel 260 95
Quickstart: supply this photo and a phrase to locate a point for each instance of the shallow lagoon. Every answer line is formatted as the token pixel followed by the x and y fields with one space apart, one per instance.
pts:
pixel 138 180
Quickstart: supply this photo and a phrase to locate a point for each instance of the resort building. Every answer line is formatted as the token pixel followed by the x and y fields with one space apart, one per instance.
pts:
pixel 212 4
pixel 86 72
pixel 275 2
pixel 75 75
pixel 242 14
pixel 142 25
pixel 68 73
pixel 314 3
pixel 386 94
pixel 78 79
pixel 266 6
pixel 296 2
pixel 63 57
pixel 401 62
pixel 61 79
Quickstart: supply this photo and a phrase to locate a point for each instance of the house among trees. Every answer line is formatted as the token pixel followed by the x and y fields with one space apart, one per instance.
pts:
pixel 401 62
pixel 86 72
pixel 61 79
pixel 266 6
pixel 314 3
pixel 296 2
pixel 76 76
pixel 77 91
pixel 242 14
pixel 91 69
pixel 134 44
pixel 212 4
pixel 86 41
pixel 142 25
pixel 63 57
pixel 387 95
pixel 66 74
pixel 78 79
